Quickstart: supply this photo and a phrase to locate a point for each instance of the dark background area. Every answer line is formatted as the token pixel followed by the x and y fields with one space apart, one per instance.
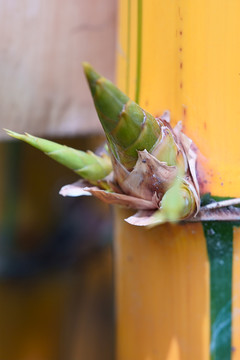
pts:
pixel 56 288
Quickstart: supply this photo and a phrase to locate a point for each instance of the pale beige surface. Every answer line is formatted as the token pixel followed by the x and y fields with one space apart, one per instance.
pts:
pixel 42 45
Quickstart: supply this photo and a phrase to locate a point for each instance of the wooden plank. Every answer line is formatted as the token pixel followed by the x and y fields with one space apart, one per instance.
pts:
pixel 42 45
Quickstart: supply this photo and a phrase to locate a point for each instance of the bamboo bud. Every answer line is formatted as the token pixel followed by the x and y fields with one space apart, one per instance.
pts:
pixel 86 164
pixel 153 164
pixel 127 126
pixel 133 135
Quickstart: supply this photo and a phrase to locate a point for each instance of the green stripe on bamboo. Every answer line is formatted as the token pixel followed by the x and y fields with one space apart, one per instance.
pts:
pixel 219 238
pixel 139 50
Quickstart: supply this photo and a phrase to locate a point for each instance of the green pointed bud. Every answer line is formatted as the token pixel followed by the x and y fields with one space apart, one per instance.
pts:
pixel 168 151
pixel 127 126
pixel 86 164
pixel 177 204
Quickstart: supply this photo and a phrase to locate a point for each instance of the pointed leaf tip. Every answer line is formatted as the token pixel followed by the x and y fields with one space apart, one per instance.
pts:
pixel 86 67
pixel 91 75
pixel 86 164
pixel 14 134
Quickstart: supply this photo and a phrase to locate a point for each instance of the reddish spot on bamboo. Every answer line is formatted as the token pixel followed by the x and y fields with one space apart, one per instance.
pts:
pixel 184 111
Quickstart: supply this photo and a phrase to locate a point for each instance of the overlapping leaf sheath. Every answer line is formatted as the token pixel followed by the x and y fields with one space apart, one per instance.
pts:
pixel 153 165
pixel 86 164
pixel 150 159
pixel 127 126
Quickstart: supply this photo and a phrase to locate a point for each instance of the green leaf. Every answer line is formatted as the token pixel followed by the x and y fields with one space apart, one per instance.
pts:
pixel 86 164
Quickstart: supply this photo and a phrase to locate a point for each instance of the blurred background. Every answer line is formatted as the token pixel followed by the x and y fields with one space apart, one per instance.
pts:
pixel 56 287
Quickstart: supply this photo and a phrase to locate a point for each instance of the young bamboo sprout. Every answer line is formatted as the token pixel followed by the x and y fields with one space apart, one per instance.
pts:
pixel 128 127
pixel 149 159
pixel 86 164
pixel 153 165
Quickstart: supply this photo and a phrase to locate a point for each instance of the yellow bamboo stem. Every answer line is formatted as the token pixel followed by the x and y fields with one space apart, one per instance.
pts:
pixel 157 292
pixel 189 60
